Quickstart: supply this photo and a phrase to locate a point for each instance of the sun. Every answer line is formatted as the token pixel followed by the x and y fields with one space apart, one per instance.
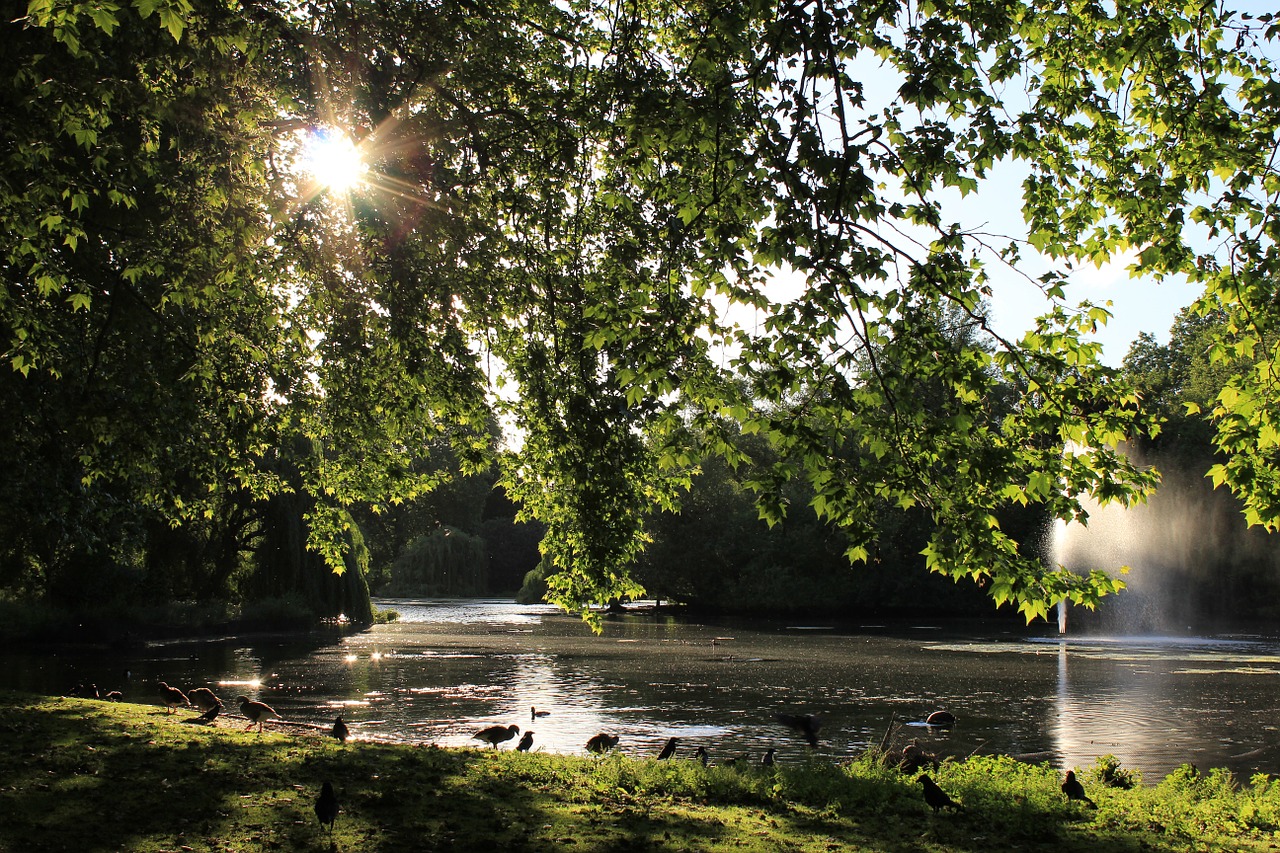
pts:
pixel 332 160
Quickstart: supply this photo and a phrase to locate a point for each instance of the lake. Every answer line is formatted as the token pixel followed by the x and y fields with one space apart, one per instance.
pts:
pixel 449 668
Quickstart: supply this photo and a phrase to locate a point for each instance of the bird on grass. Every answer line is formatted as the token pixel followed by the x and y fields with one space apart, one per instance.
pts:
pixel 935 796
pixel 768 760
pixel 209 704
pixel 256 713
pixel 114 696
pixel 807 725
pixel 340 730
pixel 1074 790
pixel 669 749
pixel 602 743
pixel 701 754
pixel 526 742
pixel 327 806
pixel 534 713
pixel 495 735
pixel 172 697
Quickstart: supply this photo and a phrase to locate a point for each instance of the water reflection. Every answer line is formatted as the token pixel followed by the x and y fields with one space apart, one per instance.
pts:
pixel 449 669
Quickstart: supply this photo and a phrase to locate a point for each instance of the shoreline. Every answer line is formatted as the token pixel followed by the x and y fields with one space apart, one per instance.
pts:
pixel 92 775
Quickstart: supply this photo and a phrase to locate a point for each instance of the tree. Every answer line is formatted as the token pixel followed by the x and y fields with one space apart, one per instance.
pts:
pixel 602 219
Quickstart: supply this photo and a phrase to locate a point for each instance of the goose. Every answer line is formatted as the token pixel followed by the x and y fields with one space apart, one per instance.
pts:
pixel 495 735
pixel 172 697
pixel 256 713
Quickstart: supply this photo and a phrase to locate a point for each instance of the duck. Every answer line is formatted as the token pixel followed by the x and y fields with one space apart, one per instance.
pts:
pixel 534 713
pixel 327 806
pixel 940 718
pixel 669 749
pixel 340 730
pixel 495 735
pixel 204 699
pixel 526 742
pixel 602 743
pixel 172 697
pixel 256 713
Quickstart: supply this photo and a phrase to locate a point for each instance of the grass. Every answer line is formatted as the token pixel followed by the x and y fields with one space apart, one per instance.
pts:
pixel 85 775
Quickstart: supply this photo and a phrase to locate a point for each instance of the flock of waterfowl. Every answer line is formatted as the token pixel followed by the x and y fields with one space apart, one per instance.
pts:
pixel 806 726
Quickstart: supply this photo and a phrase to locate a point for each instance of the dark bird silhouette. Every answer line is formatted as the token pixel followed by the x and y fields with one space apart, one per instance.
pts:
pixel 1074 790
pixel 210 715
pixel 495 735
pixel 701 754
pixel 340 730
pixel 526 742
pixel 602 743
pixel 172 697
pixel 806 725
pixel 256 713
pixel 327 806
pixel 669 749
pixel 768 759
pixel 935 796
pixel 534 713
pixel 114 696
pixel 941 718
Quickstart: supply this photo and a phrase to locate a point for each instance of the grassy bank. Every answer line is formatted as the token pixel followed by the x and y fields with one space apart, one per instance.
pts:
pixel 84 775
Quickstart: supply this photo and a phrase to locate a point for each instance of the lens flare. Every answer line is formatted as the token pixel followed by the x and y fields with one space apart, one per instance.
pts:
pixel 333 160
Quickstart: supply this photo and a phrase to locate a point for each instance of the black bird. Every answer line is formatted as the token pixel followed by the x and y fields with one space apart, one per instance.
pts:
pixel 327 806
pixel 669 749
pixel 256 713
pixel 768 760
pixel 495 735
pixel 526 742
pixel 602 743
pixel 172 697
pixel 701 754
pixel 807 725
pixel 935 796
pixel 1074 790
pixel 340 730
pixel 534 713
pixel 940 718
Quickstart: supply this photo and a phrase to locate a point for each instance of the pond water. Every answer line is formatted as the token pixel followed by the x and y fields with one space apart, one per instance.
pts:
pixel 449 668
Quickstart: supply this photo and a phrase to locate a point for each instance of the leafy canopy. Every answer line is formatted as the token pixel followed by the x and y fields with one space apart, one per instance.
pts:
pixel 639 232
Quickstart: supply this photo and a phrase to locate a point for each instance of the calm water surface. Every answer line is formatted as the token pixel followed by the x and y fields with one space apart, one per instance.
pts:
pixel 449 668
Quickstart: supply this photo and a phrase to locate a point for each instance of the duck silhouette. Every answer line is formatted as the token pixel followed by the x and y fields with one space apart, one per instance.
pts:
pixel 172 697
pixel 602 743
pixel 495 735
pixel 204 699
pixel 534 713
pixel 340 730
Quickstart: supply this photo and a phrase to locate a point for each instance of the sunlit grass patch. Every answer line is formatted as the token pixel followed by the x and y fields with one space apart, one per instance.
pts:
pixel 85 775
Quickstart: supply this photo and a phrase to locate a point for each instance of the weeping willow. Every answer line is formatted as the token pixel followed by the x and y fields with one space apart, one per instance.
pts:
pixel 445 562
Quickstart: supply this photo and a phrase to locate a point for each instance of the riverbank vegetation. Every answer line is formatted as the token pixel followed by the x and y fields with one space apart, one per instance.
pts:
pixel 97 776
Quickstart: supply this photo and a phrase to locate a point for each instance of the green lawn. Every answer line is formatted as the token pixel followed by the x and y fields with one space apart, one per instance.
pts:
pixel 82 775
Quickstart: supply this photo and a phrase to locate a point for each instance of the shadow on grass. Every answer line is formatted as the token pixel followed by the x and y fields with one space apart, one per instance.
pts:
pixel 86 776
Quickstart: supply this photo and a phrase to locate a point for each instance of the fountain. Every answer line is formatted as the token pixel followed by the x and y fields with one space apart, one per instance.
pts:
pixel 1191 559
